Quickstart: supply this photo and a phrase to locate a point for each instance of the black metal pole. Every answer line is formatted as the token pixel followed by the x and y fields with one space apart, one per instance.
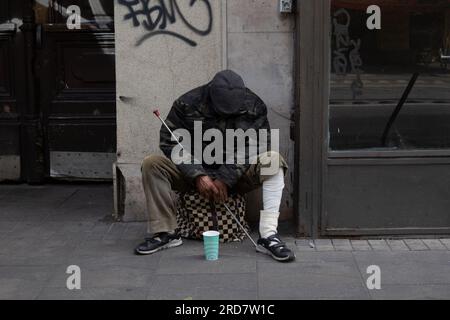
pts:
pixel 399 107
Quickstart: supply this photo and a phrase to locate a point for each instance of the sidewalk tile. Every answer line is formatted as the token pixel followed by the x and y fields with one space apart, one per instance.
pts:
pixel 105 293
pixel 342 245
pixel 361 245
pixel 412 292
pixel 434 244
pixel 7 227
pixel 379 245
pixel 324 245
pixel 22 282
pixel 36 253
pixel 37 231
pixel 135 231
pixel 101 276
pixel 311 280
pixel 304 245
pixel 99 230
pixel 116 231
pixel 104 248
pixel 446 243
pixel 324 256
pixel 416 245
pixel 204 286
pixel 195 263
pixel 398 245
pixel 128 260
pixel 408 267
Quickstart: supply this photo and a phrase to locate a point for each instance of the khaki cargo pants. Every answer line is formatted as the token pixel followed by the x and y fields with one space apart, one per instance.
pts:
pixel 160 177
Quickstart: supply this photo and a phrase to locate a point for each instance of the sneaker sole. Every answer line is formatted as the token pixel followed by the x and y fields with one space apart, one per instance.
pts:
pixel 263 250
pixel 171 244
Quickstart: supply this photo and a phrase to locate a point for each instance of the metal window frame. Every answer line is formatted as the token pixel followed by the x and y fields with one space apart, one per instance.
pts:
pixel 312 94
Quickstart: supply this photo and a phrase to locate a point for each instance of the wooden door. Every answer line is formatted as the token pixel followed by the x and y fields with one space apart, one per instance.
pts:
pixel 77 90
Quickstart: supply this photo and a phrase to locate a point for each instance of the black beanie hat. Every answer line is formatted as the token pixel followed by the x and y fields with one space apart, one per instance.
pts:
pixel 227 93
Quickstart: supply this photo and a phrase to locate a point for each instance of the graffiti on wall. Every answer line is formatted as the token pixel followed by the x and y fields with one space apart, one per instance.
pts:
pixel 157 16
pixel 346 56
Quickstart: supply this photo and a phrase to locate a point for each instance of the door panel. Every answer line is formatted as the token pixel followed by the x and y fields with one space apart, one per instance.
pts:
pixel 78 96
pixel 388 198
pixel 10 151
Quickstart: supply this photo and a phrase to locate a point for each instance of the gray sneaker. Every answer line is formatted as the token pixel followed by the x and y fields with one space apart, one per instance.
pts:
pixel 158 242
pixel 276 248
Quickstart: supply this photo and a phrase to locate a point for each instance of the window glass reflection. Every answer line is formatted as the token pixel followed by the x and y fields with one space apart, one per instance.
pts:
pixel 371 71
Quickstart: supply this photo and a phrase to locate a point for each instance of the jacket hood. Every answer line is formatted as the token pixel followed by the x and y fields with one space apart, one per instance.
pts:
pixel 227 92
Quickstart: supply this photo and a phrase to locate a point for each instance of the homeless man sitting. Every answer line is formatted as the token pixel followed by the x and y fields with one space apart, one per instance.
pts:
pixel 223 104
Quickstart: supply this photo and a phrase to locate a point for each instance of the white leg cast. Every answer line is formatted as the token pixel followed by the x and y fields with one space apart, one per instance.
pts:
pixel 272 193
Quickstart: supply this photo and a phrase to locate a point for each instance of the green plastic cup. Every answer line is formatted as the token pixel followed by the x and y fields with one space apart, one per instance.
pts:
pixel 211 245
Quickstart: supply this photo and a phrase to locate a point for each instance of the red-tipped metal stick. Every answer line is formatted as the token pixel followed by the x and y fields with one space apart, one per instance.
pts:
pixel 158 115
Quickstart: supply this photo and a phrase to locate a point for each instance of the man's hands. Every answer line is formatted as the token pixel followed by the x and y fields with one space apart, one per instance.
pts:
pixel 212 189
pixel 223 191
pixel 206 187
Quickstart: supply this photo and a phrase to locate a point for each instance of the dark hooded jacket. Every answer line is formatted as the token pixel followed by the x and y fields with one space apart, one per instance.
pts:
pixel 224 103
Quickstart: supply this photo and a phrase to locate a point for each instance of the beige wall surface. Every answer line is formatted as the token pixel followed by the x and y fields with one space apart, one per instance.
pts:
pixel 261 49
pixel 157 68
pixel 250 37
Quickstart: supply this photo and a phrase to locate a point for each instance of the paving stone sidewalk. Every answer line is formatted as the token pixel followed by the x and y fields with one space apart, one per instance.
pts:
pixel 45 229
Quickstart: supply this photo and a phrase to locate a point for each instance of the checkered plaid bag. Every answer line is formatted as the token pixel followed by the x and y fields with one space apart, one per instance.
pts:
pixel 195 215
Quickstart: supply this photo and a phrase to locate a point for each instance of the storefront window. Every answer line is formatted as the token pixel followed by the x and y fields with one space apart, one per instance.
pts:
pixel 373 67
